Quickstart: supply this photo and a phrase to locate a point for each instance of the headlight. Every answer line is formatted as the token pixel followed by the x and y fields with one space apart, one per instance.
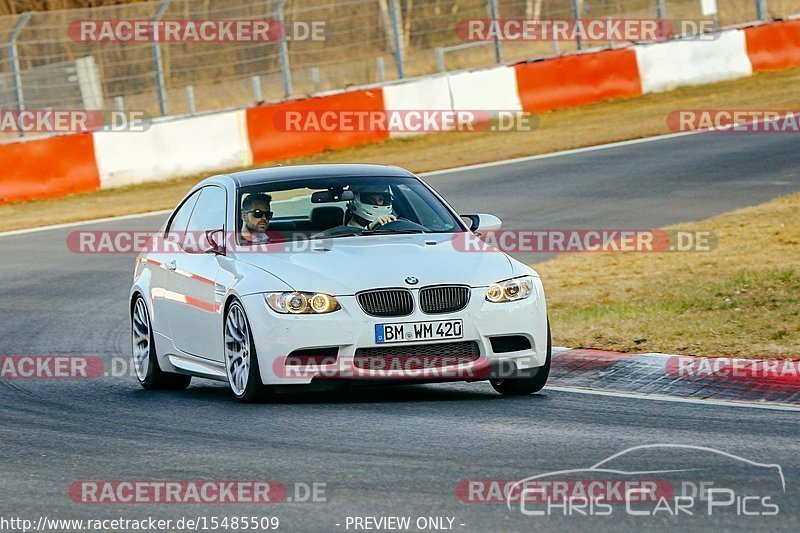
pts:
pixel 510 290
pixel 301 303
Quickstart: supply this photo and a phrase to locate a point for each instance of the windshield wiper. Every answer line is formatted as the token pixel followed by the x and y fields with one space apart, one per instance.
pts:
pixel 339 236
pixel 389 231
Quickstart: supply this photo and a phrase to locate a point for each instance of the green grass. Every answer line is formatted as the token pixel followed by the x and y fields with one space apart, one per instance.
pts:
pixel 741 299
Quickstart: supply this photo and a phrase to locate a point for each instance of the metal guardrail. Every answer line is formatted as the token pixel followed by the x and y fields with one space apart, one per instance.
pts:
pixel 442 50
pixel 13 57
pixel 365 42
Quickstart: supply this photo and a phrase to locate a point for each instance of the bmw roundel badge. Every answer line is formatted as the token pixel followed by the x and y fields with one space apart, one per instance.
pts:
pixel 411 280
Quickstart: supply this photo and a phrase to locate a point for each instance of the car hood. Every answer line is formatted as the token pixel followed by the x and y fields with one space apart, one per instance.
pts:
pixel 346 265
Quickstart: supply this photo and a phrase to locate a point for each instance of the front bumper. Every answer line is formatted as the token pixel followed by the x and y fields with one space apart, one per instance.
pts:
pixel 348 329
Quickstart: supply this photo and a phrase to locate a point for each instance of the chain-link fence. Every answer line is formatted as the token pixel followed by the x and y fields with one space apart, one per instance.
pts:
pixel 365 42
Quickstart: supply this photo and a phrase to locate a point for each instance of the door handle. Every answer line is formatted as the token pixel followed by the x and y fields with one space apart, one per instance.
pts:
pixel 171 265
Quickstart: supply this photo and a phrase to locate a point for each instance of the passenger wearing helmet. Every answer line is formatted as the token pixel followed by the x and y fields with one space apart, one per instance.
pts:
pixel 371 207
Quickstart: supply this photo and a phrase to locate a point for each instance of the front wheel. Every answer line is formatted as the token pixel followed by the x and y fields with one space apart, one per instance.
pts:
pixel 529 384
pixel 145 359
pixel 241 362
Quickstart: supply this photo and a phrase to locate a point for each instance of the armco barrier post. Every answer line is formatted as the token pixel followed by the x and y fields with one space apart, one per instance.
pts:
pixel 256 82
pixel 315 78
pixel 158 64
pixel 661 9
pixel 576 14
pixel 761 9
pixel 13 56
pixel 611 44
pixel 190 99
pixel 283 52
pixel 394 13
pixel 498 51
pixel 381 67
pixel 661 12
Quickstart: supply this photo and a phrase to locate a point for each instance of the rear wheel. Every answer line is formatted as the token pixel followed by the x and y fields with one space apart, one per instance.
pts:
pixel 145 360
pixel 529 384
pixel 241 361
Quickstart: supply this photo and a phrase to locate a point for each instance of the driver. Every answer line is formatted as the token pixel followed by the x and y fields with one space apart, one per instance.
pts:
pixel 371 207
pixel 255 218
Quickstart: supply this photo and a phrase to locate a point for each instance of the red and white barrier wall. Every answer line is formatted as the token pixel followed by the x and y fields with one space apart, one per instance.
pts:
pixel 673 64
pixel 269 143
pixel 203 144
pixel 173 149
pixel 45 168
pixel 493 89
pixel 576 80
pixel 774 46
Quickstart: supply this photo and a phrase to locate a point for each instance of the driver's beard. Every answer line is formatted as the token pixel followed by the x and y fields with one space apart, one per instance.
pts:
pixel 253 229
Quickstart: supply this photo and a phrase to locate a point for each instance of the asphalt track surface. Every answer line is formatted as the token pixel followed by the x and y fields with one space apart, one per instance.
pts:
pixel 385 451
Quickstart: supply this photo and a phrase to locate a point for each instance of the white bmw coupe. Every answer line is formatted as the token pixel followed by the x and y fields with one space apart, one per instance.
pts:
pixel 276 278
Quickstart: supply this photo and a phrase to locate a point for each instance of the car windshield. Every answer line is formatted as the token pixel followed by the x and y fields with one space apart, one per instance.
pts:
pixel 339 207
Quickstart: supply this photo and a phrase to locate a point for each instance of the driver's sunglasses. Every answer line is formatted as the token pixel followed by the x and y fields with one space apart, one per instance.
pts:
pixel 259 213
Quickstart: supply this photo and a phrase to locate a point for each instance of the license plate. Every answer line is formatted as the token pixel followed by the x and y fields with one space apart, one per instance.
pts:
pixel 419 331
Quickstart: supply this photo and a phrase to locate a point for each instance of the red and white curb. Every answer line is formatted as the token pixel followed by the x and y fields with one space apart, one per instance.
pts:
pixel 772 381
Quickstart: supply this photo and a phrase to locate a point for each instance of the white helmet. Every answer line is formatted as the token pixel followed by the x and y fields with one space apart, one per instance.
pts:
pixel 369 211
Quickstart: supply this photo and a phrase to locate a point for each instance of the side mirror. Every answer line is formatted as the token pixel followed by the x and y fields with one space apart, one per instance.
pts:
pixel 210 242
pixel 215 241
pixel 483 222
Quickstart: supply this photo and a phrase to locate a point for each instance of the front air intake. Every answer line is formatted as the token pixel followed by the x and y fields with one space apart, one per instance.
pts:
pixel 443 299
pixel 386 302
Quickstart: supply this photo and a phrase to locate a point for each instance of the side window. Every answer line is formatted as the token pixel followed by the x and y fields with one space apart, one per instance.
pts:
pixel 209 213
pixel 181 218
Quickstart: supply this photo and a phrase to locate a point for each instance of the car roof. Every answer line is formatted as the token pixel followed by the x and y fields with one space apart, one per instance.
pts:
pixel 276 174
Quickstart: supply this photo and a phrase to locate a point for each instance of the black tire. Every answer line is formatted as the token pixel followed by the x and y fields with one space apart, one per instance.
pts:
pixel 155 378
pixel 529 384
pixel 255 391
